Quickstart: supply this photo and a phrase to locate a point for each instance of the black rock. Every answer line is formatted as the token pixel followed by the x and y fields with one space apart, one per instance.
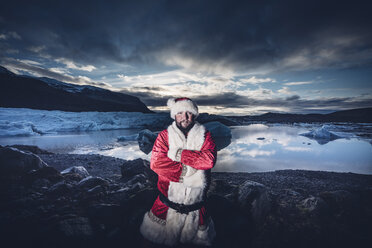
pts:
pixel 60 188
pixel 254 196
pixel 79 227
pixel 109 215
pixel 17 162
pixel 49 173
pixel 130 169
pixel 313 204
pixel 146 140
pixel 80 170
pixel 32 149
pixel 91 182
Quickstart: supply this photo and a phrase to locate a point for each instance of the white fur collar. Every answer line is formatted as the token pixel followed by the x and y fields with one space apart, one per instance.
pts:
pixel 194 140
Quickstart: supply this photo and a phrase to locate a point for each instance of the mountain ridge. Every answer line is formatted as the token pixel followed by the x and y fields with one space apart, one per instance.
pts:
pixel 19 91
pixel 351 115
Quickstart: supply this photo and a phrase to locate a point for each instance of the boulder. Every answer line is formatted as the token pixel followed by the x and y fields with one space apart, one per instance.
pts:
pixel 313 204
pixel 106 214
pixel 60 188
pixel 49 173
pixel 17 162
pixel 338 200
pixel 221 134
pixel 254 197
pixel 96 190
pixel 223 188
pixel 132 168
pixel 146 140
pixel 32 149
pixel 76 170
pixel 78 227
pixel 91 182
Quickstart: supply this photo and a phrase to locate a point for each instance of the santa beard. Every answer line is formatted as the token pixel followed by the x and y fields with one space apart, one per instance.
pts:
pixel 185 130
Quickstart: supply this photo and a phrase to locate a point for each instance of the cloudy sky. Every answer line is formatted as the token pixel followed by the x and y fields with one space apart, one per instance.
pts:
pixel 231 57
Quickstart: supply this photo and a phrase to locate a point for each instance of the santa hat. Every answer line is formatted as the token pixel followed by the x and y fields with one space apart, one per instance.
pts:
pixel 182 104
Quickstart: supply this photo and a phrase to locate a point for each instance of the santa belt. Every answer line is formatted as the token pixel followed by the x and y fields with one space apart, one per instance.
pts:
pixel 181 208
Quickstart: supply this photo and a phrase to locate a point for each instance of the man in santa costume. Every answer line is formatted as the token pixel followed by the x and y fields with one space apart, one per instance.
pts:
pixel 182 156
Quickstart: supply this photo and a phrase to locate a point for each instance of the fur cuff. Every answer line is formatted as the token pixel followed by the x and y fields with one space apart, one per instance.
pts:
pixel 183 173
pixel 175 154
pixel 196 180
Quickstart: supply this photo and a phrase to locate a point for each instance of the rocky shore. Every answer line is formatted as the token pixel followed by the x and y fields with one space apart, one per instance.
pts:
pixel 66 200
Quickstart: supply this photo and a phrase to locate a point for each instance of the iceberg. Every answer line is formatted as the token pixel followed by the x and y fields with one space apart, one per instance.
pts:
pixel 321 135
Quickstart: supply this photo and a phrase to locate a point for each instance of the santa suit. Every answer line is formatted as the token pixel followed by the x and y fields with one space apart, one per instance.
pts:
pixel 183 166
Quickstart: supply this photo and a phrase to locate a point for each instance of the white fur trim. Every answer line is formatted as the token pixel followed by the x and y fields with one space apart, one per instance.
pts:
pixel 190 228
pixel 171 102
pixel 172 155
pixel 152 230
pixel 179 193
pixel 205 236
pixel 179 227
pixel 176 140
pixel 195 140
pixel 197 179
pixel 182 227
pixel 173 227
pixel 195 137
pixel 181 106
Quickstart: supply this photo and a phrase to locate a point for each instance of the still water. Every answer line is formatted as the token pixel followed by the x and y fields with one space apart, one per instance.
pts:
pixel 253 148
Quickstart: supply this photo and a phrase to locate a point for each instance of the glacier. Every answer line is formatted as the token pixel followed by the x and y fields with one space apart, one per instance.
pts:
pixel 30 122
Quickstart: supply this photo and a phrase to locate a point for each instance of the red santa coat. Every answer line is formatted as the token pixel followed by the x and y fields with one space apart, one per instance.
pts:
pixel 183 179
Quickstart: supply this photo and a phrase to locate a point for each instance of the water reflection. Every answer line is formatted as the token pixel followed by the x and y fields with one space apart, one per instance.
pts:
pixel 261 147
pixel 70 142
pixel 128 151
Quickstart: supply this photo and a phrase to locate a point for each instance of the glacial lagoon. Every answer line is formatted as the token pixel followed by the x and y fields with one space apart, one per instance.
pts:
pixel 253 148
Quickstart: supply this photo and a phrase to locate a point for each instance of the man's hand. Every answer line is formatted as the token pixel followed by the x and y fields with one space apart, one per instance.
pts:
pixel 175 154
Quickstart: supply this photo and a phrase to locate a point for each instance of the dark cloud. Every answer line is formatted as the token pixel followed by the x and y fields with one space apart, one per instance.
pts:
pixel 235 101
pixel 292 98
pixel 277 36
pixel 38 71
pixel 246 34
pixel 151 96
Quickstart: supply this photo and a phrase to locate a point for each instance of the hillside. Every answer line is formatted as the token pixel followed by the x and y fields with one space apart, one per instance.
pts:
pixel 48 94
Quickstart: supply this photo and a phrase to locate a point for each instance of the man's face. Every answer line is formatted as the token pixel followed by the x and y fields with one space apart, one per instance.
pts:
pixel 185 119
